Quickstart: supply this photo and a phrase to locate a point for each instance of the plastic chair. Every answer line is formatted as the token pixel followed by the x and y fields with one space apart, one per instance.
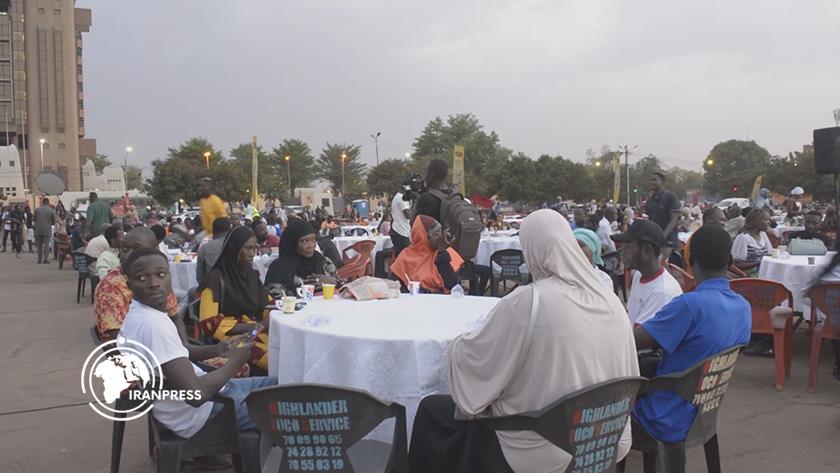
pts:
pixel 826 299
pixel 62 248
pixel 768 318
pixel 342 416
pixel 687 282
pixel 702 385
pixel 613 266
pixel 509 261
pixel 774 240
pixel 577 423
pixel 734 272
pixel 363 248
pixel 83 262
pixel 357 267
pixel 677 259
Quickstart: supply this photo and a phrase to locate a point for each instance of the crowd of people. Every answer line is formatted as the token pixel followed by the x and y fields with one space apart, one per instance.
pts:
pixel 578 330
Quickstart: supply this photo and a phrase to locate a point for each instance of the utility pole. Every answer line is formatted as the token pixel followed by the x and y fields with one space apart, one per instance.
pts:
pixel 254 170
pixel 626 151
pixel 376 139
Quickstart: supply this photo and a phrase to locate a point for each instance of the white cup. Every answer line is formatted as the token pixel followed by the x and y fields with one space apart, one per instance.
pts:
pixel 414 287
pixel 306 292
pixel 288 304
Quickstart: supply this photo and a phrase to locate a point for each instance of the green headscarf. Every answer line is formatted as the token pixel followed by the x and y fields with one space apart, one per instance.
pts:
pixel 590 239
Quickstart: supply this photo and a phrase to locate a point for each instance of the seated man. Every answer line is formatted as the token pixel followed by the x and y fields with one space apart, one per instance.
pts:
pixel 110 258
pixel 691 328
pixel 712 217
pixel 148 323
pixel 813 221
pixel 265 241
pixel 97 245
pixel 652 286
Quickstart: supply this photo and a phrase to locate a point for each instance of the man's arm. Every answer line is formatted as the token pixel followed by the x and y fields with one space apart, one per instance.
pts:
pixel 643 339
pixel 180 374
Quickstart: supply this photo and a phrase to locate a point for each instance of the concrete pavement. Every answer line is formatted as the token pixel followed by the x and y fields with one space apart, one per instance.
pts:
pixel 46 426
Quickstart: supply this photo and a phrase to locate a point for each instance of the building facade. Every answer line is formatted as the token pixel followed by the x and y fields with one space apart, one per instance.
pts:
pixel 110 179
pixel 11 177
pixel 42 87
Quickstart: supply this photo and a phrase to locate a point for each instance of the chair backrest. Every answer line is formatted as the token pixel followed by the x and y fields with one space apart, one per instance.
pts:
pixel 677 259
pixel 826 299
pixel 774 240
pixel 763 295
pixel 687 282
pixel 734 272
pixel 82 261
pixel 356 268
pixel 509 261
pixel 358 232
pixel 363 248
pixel 316 424
pixel 703 385
pixel 587 423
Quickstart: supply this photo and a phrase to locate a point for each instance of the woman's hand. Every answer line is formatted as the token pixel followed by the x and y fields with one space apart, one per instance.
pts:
pixel 319 279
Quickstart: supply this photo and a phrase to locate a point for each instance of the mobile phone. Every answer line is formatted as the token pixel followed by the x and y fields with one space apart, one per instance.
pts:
pixel 251 335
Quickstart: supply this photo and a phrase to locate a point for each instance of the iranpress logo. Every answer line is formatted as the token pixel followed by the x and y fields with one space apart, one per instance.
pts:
pixel 127 371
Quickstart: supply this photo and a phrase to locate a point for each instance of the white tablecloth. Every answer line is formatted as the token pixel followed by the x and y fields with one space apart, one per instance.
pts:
pixel 382 243
pixel 797 275
pixel 347 229
pixel 183 274
pixel 395 349
pixel 781 229
pixel 488 246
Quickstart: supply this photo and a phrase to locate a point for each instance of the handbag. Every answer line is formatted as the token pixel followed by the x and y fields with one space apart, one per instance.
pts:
pixel 813 247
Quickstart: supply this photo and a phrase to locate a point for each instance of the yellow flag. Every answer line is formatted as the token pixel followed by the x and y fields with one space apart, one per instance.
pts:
pixel 617 180
pixel 458 169
pixel 756 189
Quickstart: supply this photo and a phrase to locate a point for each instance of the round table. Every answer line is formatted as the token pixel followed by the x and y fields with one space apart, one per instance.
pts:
pixel 383 242
pixel 183 273
pixel 347 230
pixel 489 245
pixel 395 349
pixel 781 229
pixel 797 275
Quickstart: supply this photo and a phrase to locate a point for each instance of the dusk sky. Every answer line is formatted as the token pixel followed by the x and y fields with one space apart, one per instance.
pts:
pixel 554 77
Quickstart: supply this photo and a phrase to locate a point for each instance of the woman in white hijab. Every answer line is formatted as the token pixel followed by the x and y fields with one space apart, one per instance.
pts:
pixel 582 337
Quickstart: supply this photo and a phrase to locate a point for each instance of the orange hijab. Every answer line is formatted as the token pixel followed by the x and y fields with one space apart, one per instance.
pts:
pixel 418 260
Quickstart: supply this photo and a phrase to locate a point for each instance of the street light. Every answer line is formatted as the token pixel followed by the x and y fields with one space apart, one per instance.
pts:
pixel 710 162
pixel 343 158
pixel 289 170
pixel 207 159
pixel 407 155
pixel 42 141
pixel 128 149
pixel 376 139
pixel 597 164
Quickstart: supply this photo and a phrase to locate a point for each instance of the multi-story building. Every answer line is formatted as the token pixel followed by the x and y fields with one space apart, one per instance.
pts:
pixel 41 87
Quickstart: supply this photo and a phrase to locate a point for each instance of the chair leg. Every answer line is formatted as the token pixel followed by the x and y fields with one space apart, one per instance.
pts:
pixel 116 443
pixel 649 462
pixel 169 458
pixel 779 358
pixel 712 455
pixel 620 466
pixel 672 457
pixel 79 290
pixel 814 365
pixel 151 435
pixel 248 459
pixel 788 347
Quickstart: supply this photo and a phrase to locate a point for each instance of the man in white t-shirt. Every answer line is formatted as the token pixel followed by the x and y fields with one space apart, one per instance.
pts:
pixel 605 230
pixel 400 229
pixel 653 286
pixel 147 323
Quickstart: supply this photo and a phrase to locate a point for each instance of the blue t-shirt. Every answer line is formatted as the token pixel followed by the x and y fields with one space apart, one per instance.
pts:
pixel 692 327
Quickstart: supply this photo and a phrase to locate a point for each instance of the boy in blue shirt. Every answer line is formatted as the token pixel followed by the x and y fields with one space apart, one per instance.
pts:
pixel 692 327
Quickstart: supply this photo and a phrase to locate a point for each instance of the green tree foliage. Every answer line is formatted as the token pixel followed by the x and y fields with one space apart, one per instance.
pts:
pixel 229 181
pixel 386 178
pixel 735 165
pixel 133 177
pixel 100 161
pixel 797 169
pixel 520 179
pixel 301 163
pixel 328 167
pixel 177 176
pixel 268 183
pixel 558 176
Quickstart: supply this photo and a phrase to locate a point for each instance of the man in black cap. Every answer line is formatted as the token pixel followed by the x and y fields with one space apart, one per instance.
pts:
pixel 652 286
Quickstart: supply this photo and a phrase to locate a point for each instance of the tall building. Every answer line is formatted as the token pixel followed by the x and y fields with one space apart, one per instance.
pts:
pixel 41 87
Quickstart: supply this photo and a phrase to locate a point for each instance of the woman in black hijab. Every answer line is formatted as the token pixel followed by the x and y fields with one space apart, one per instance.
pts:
pixel 232 296
pixel 299 263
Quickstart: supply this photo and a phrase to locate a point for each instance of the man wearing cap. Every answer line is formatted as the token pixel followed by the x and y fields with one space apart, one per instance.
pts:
pixel 652 285
pixel 792 202
pixel 211 205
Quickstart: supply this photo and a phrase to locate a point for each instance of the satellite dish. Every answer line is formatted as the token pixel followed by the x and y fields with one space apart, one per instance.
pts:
pixel 50 184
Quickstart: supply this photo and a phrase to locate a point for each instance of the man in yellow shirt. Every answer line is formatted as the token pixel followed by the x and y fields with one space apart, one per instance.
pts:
pixel 211 206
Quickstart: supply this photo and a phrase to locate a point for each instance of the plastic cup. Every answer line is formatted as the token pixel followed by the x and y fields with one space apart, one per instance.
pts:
pixel 774 253
pixel 177 257
pixel 328 291
pixel 414 287
pixel 289 304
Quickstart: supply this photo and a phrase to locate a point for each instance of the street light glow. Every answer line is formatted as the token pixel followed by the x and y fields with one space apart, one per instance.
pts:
pixel 42 141
pixel 710 162
pixel 128 149
pixel 288 158
pixel 597 163
pixel 343 156
pixel 207 154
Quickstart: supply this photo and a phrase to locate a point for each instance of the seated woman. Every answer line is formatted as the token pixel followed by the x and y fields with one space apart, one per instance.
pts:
pixel 298 262
pixel 590 244
pixel 429 259
pixel 232 296
pixel 751 245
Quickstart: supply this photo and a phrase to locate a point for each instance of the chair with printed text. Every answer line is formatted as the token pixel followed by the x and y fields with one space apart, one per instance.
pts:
pixel 343 416
pixel 825 298
pixel 509 263
pixel 703 386
pixel 83 264
pixel 770 318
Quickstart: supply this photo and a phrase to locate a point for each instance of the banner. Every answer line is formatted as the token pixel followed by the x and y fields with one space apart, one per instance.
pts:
pixel 458 169
pixel 617 181
pixel 756 189
pixel 254 170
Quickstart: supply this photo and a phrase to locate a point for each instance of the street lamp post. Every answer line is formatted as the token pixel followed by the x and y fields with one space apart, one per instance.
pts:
pixel 343 158
pixel 289 172
pixel 128 149
pixel 207 159
pixel 41 142
pixel 376 139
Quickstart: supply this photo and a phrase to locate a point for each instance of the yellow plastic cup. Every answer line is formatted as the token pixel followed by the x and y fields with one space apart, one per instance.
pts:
pixel 178 257
pixel 328 290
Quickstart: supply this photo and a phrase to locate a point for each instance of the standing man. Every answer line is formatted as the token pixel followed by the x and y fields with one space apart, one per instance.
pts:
pixel 30 227
pixel 7 226
pixel 605 230
pixel 44 219
pixel 663 208
pixel 98 214
pixel 428 204
pixel 400 229
pixel 16 219
pixel 211 206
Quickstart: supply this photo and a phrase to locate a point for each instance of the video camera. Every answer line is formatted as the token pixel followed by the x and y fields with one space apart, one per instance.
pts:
pixel 413 186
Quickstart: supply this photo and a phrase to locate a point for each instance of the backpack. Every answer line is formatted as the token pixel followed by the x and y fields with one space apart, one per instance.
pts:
pixel 463 221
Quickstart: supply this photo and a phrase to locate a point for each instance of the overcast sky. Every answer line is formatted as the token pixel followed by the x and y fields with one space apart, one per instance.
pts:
pixel 553 76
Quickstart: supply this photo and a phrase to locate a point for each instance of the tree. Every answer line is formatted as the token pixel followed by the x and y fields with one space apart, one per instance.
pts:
pixel 519 183
pixel 328 167
pixel 230 182
pixel 732 166
pixel 558 176
pixel 133 177
pixel 386 178
pixel 301 163
pixel 177 176
pixel 268 182
pixel 100 161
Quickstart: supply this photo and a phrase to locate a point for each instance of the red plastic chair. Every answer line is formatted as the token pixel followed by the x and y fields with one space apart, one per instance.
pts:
pixel 826 299
pixel 774 240
pixel 687 282
pixel 355 268
pixel 734 272
pixel 359 250
pixel 765 298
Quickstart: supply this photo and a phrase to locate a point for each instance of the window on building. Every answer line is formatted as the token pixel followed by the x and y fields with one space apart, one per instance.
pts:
pixel 81 87
pixel 5 90
pixel 41 11
pixel 78 51
pixel 5 71
pixel 61 146
pixel 79 69
pixel 81 104
pixel 57 12
pixel 11 164
pixel 46 146
pixel 5 50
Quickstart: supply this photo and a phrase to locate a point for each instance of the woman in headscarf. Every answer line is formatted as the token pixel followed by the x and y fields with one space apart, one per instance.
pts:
pixel 232 296
pixel 590 244
pixel 581 337
pixel 429 259
pixel 298 262
pixel 749 247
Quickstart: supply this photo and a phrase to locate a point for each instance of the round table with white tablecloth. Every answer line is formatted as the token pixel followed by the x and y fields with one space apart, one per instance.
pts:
pixel 489 245
pixel 382 243
pixel 780 230
pixel 348 230
pixel 395 349
pixel 183 273
pixel 797 275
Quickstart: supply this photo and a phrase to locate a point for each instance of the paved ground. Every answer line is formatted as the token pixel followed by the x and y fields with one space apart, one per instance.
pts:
pixel 45 425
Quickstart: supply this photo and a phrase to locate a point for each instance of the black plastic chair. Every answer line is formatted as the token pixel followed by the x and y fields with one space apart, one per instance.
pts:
pixel 613 267
pixel 703 385
pixel 587 423
pixel 83 262
pixel 320 428
pixel 509 261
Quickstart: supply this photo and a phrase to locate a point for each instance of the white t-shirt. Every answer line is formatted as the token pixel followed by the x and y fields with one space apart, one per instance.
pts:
pixel 399 223
pixel 646 298
pixel 156 331
pixel 747 248
pixel 604 232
